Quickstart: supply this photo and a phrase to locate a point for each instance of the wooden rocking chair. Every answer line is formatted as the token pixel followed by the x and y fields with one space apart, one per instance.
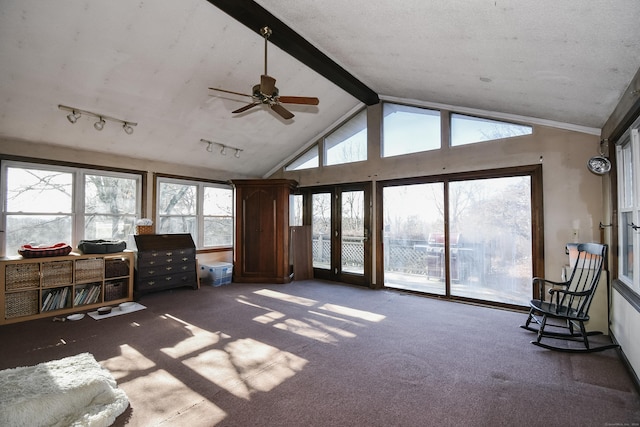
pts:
pixel 568 308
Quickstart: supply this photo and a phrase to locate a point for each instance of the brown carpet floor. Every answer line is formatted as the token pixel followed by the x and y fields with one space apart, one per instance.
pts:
pixel 314 353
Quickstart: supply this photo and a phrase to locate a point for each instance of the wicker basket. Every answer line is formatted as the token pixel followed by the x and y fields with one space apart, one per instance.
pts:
pixel 22 303
pixel 144 229
pixel 115 289
pixel 116 267
pixel 57 273
pixel 22 276
pixel 91 269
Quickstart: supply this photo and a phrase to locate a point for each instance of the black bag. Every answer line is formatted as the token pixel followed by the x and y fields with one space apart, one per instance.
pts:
pixel 102 246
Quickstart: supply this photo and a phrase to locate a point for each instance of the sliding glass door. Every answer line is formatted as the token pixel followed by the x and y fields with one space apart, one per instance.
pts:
pixel 465 236
pixel 490 251
pixel 413 237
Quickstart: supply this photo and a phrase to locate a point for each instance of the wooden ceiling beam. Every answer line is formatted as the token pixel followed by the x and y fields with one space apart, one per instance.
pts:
pixel 254 16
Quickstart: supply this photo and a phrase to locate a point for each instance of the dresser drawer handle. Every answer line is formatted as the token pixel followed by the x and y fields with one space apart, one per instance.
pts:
pixel 168 278
pixel 151 283
pixel 169 260
pixel 169 253
pixel 151 271
pixel 168 268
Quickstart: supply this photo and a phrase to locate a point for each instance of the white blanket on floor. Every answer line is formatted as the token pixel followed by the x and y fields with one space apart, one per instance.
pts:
pixel 74 391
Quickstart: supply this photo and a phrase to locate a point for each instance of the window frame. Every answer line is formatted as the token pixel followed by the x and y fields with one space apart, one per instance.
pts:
pixel 454 114
pixel 199 216
pixel 325 147
pixel 78 174
pixel 432 112
pixel 630 139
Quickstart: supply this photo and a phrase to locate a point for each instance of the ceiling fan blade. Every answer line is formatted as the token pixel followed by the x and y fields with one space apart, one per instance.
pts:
pixel 284 113
pixel 267 84
pixel 230 91
pixel 246 107
pixel 299 100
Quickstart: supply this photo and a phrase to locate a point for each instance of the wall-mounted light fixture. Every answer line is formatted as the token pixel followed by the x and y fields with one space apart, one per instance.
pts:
pixel 223 148
pixel 600 165
pixel 76 113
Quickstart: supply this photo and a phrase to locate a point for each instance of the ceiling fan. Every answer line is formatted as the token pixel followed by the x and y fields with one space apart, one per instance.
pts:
pixel 267 93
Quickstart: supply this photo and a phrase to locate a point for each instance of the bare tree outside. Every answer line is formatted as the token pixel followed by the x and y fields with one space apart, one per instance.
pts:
pixel 321 229
pixel 41 204
pixel 110 207
pixel 489 238
pixel 177 208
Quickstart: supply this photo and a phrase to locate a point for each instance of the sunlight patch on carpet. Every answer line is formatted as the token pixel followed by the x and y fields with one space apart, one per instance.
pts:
pixel 198 339
pixel 246 366
pixel 129 362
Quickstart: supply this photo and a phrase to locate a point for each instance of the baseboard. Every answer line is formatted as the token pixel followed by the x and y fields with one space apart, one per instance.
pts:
pixel 625 361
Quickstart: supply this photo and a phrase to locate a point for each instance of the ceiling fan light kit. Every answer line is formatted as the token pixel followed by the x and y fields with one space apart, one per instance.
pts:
pixel 267 93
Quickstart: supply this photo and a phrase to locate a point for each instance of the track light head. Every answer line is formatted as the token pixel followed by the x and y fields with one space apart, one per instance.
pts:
pixel 73 117
pixel 127 128
pixel 223 151
pixel 209 147
pixel 237 155
pixel 99 125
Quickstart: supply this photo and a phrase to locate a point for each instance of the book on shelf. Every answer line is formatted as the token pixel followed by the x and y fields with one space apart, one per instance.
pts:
pixel 46 301
pixel 78 297
pixel 63 298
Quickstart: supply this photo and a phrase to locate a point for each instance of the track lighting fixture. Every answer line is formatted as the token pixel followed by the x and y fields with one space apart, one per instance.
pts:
pixel 73 117
pixel 99 125
pixel 223 148
pixel 76 113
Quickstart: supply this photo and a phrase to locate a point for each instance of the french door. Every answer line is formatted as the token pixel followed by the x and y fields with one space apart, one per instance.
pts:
pixel 340 223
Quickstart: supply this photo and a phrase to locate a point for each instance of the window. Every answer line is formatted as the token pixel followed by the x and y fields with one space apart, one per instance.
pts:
pixel 110 206
pixel 409 129
pixel 469 130
pixel 295 209
pixel 308 160
pixel 348 143
pixel 628 156
pixel 204 210
pixel 46 204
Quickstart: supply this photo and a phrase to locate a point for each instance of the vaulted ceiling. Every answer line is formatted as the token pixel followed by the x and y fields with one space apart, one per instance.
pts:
pixel 152 62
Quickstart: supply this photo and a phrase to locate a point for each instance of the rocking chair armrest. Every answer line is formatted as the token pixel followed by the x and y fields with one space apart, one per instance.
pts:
pixel 567 292
pixel 541 281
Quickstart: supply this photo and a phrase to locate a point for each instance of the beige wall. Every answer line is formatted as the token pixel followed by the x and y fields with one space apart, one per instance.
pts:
pixel 572 194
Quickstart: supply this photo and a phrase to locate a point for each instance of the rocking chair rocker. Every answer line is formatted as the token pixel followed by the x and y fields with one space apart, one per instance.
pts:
pixel 568 307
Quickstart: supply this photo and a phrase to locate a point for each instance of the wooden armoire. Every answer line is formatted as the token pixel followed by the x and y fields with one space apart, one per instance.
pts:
pixel 261 250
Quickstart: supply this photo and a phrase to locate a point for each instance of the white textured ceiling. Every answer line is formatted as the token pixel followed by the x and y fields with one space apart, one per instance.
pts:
pixel 152 61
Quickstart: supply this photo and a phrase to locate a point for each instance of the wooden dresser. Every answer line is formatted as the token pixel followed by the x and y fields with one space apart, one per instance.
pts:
pixel 164 261
pixel 261 250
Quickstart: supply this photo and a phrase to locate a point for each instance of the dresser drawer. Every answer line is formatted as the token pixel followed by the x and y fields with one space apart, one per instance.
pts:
pixel 154 258
pixel 164 269
pixel 167 281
